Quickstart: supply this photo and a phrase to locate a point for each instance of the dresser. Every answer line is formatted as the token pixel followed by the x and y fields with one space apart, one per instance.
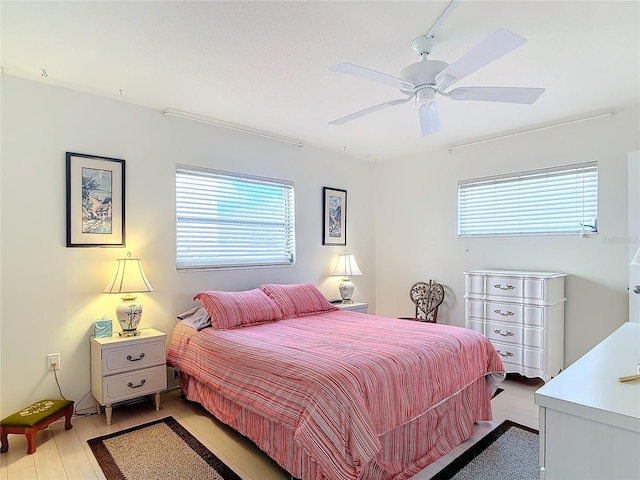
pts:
pixel 522 313
pixel 589 421
pixel 124 368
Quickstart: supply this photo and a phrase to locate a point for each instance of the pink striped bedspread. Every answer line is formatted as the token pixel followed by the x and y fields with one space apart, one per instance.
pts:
pixel 339 380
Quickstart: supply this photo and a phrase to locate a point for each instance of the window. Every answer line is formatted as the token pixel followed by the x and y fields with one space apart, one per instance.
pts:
pixel 232 220
pixel 551 201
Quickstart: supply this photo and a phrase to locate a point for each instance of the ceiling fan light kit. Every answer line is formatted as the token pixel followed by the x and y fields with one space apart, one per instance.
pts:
pixel 427 78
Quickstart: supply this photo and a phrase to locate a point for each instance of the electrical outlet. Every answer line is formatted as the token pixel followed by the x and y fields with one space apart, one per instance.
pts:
pixel 53 361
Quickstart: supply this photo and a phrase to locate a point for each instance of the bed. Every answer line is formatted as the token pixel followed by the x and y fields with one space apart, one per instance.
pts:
pixel 331 394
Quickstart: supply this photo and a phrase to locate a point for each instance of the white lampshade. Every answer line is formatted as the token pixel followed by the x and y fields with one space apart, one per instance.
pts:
pixel 128 277
pixel 636 258
pixel 346 267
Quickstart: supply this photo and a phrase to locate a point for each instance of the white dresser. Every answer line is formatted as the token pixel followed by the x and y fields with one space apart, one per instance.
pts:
pixel 590 422
pixel 522 313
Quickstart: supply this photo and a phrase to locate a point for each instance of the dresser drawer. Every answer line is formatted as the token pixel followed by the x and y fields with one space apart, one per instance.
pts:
pixel 476 325
pixel 134 384
pixel 533 358
pixel 509 354
pixel 135 356
pixel 501 332
pixel 504 287
pixel 475 309
pixel 515 358
pixel 505 312
pixel 534 316
pixel 533 337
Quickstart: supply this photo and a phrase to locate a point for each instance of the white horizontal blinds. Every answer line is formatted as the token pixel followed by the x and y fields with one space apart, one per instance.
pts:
pixel 550 201
pixel 232 220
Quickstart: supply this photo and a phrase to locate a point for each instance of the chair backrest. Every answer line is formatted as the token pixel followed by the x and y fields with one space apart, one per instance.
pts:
pixel 427 298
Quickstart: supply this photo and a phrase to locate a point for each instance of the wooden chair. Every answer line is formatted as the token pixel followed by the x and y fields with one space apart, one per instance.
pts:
pixel 427 297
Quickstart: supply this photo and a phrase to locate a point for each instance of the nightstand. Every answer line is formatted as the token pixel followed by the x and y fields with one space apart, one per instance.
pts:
pixel 359 307
pixel 124 368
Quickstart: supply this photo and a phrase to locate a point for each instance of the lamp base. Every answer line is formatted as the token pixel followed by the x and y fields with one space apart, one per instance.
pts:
pixel 129 313
pixel 129 333
pixel 346 290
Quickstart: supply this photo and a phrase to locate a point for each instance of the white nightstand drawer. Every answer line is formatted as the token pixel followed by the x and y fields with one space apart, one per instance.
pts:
pixel 134 384
pixel 138 355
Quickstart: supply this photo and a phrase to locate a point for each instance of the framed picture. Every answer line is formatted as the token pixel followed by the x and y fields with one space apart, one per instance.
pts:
pixel 95 201
pixel 334 225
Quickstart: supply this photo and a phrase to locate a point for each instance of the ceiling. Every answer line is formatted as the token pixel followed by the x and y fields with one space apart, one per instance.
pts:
pixel 264 64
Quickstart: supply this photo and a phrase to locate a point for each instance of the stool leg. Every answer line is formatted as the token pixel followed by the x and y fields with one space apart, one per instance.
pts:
pixel 5 440
pixel 67 418
pixel 31 439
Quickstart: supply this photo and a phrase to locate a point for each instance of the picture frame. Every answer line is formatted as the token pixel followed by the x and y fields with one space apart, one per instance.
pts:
pixel 334 225
pixel 95 201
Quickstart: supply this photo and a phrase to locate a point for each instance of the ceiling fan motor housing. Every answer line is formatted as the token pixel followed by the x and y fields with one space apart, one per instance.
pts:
pixel 422 73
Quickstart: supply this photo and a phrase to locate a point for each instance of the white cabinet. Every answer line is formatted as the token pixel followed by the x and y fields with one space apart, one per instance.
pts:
pixel 354 306
pixel 123 368
pixel 589 421
pixel 522 313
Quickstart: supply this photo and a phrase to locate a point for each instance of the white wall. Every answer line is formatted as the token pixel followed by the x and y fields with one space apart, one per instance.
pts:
pixel 416 226
pixel 51 294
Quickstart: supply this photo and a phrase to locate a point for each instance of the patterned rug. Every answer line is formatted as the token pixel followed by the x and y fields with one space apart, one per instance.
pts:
pixel 160 450
pixel 509 452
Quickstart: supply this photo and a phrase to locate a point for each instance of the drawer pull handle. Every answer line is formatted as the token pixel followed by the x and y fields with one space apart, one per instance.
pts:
pixel 506 287
pixel 131 359
pixel 508 334
pixel 508 354
pixel 508 313
pixel 131 385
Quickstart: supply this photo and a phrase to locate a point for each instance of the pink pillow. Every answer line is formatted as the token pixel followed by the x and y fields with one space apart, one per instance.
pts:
pixel 298 300
pixel 236 309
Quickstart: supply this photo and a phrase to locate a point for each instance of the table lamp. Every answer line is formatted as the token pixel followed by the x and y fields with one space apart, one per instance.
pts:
pixel 346 267
pixel 128 277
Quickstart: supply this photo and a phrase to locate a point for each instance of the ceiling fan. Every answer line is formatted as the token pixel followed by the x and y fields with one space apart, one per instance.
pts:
pixel 427 78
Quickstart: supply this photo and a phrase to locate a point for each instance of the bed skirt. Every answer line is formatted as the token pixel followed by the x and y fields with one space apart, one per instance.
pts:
pixel 405 450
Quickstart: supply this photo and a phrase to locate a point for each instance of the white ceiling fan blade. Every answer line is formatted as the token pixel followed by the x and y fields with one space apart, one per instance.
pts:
pixel 496 94
pixel 358 71
pixel 429 119
pixel 491 48
pixel 367 111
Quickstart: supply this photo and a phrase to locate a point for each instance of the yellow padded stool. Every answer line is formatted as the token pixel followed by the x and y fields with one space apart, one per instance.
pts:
pixel 34 418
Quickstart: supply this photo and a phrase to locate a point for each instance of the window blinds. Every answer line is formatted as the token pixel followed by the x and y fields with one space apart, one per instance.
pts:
pixel 557 200
pixel 232 220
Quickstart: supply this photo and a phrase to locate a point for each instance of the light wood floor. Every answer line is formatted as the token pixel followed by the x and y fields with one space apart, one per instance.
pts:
pixel 64 454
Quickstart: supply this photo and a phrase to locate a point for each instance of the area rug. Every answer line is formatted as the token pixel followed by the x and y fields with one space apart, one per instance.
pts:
pixel 509 452
pixel 158 450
